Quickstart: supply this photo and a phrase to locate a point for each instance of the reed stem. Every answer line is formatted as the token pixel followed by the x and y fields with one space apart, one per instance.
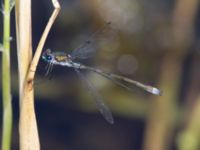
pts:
pixel 6 79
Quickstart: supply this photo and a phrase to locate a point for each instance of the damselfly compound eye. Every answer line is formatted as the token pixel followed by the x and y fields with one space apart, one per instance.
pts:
pixel 48 57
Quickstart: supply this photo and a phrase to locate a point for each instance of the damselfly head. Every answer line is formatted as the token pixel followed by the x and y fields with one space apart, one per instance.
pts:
pixel 47 55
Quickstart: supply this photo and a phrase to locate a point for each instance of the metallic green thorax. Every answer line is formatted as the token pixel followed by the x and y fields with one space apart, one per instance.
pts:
pixel 61 57
pixel 57 56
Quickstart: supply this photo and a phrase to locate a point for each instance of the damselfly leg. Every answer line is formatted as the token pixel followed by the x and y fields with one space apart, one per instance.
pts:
pixel 49 68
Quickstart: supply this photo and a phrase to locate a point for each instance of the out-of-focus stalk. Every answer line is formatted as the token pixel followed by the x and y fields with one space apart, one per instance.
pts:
pixel 189 138
pixel 162 118
pixel 6 79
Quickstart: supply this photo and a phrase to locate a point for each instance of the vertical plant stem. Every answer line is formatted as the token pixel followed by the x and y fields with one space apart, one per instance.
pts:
pixel 7 106
pixel 28 132
pixel 189 137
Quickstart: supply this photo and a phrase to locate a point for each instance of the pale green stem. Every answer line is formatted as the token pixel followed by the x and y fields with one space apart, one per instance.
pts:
pixel 7 106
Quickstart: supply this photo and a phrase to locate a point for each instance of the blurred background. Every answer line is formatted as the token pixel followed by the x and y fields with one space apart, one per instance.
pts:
pixel 156 42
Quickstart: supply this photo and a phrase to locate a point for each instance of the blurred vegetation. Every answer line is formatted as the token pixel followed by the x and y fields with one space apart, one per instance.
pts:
pixel 157 44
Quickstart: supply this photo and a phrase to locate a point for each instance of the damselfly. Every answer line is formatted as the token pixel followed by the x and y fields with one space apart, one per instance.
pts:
pixel 85 51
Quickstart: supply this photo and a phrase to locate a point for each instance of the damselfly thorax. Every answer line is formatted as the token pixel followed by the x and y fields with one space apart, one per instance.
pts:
pixel 57 58
pixel 62 57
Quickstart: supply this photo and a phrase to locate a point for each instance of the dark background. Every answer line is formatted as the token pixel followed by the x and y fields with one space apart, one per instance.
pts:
pixel 157 43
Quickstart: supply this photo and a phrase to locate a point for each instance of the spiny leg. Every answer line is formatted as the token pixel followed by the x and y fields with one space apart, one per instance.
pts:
pixel 49 68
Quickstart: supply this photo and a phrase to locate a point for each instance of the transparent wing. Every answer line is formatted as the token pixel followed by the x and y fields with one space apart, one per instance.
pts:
pixel 99 39
pixel 97 97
